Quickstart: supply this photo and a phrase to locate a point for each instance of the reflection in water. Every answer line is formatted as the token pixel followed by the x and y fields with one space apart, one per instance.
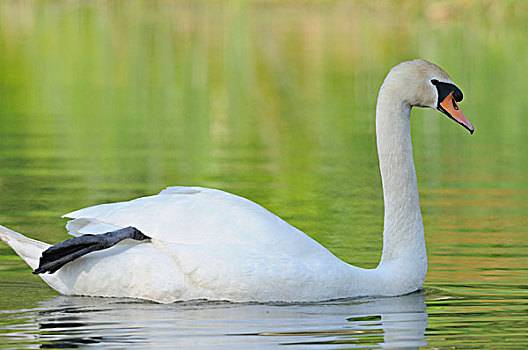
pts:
pixel 79 322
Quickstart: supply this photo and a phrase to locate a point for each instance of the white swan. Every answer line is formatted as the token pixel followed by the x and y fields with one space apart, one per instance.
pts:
pixel 209 244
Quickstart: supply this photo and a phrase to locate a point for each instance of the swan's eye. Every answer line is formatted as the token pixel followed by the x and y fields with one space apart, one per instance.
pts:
pixel 454 105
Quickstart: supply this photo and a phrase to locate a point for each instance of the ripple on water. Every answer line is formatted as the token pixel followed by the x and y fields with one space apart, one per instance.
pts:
pixel 468 315
pixel 79 322
pixel 478 315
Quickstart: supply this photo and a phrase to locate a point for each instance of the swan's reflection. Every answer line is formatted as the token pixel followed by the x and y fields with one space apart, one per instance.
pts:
pixel 71 322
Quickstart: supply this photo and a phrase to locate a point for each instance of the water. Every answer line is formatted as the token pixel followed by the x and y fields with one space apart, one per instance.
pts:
pixel 79 322
pixel 107 101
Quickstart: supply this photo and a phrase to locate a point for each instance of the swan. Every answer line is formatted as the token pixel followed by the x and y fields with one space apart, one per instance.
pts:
pixel 201 243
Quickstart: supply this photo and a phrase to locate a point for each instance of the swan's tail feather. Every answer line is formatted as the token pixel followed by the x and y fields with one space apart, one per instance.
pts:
pixel 28 249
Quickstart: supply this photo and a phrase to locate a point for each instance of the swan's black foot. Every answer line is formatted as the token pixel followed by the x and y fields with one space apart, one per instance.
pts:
pixel 60 254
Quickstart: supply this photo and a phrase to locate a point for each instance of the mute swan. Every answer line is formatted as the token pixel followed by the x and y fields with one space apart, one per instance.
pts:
pixel 199 243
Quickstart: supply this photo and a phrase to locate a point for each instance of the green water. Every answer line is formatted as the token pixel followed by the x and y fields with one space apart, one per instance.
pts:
pixel 106 101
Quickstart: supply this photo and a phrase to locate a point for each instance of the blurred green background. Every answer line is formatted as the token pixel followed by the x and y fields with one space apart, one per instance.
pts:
pixel 108 100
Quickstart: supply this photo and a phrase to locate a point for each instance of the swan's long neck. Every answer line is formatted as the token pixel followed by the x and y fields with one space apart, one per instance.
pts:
pixel 403 235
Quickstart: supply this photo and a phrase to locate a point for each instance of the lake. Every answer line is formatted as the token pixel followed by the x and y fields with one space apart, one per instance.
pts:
pixel 107 101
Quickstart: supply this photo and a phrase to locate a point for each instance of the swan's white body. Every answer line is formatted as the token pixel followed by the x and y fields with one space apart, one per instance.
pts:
pixel 209 244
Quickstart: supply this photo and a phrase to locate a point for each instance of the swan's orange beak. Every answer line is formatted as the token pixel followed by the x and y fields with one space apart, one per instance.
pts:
pixel 450 108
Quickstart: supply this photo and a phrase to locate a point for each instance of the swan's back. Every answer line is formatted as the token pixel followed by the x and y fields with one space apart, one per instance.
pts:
pixel 196 215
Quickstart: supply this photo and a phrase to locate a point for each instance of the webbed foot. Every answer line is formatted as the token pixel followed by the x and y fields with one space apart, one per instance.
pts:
pixel 62 253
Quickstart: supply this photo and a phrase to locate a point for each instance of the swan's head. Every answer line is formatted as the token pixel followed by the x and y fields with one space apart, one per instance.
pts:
pixel 423 84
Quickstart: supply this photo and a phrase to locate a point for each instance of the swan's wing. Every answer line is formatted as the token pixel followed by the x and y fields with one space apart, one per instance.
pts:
pixel 220 246
pixel 195 215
